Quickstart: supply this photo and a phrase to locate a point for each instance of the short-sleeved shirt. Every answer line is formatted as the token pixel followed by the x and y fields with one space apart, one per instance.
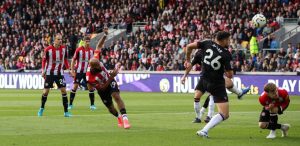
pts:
pixel 215 60
pixel 82 57
pixel 55 59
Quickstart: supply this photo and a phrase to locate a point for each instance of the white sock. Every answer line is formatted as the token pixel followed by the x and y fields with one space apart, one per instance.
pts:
pixel 213 122
pixel 202 111
pixel 197 109
pixel 235 90
pixel 124 117
pixel 211 106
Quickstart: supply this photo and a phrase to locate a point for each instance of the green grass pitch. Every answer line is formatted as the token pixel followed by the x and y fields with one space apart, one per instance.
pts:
pixel 157 119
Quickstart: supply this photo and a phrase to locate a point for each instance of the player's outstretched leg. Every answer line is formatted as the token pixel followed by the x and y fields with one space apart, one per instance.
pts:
pixel 244 91
pixel 223 114
pixel 232 88
pixel 121 106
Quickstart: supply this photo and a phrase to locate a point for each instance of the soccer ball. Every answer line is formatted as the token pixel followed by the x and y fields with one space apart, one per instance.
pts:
pixel 259 21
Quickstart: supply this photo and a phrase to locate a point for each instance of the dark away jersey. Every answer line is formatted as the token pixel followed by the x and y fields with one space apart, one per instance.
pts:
pixel 197 59
pixel 215 60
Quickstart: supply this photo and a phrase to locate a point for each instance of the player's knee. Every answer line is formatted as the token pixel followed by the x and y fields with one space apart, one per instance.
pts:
pixel 225 116
pixel 198 94
pixel 46 92
pixel 63 92
pixel 75 87
pixel 262 125
pixel 274 110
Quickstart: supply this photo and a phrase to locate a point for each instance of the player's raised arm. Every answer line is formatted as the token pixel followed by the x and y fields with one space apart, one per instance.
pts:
pixel 102 40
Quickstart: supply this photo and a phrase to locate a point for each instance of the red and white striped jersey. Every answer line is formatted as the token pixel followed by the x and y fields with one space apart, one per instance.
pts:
pixel 99 78
pixel 82 57
pixel 54 60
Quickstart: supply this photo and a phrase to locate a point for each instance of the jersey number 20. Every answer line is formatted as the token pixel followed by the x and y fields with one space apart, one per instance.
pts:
pixel 214 63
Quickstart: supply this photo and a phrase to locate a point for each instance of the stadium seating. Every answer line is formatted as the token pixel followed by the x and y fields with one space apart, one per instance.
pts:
pixel 28 26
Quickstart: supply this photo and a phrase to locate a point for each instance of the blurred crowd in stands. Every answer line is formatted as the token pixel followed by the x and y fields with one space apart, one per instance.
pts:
pixel 28 26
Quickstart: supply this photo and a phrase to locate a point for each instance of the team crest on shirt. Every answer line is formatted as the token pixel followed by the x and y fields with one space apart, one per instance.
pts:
pixel 280 99
pixel 263 114
pixel 104 101
pixel 46 84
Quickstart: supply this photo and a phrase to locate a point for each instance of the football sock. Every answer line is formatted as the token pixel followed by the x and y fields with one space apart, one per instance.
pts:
pixel 44 99
pixel 273 122
pixel 65 102
pixel 197 108
pixel 211 106
pixel 215 120
pixel 92 96
pixel 123 113
pixel 72 96
pixel 235 90
pixel 202 112
pixel 205 105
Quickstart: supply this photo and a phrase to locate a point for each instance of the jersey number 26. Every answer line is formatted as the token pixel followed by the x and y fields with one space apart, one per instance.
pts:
pixel 214 63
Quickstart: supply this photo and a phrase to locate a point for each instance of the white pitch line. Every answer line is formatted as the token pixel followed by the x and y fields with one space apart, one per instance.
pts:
pixel 178 113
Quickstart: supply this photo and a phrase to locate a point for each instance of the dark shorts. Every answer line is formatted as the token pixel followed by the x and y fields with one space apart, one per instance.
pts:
pixel 79 77
pixel 216 89
pixel 58 79
pixel 105 95
pixel 265 114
